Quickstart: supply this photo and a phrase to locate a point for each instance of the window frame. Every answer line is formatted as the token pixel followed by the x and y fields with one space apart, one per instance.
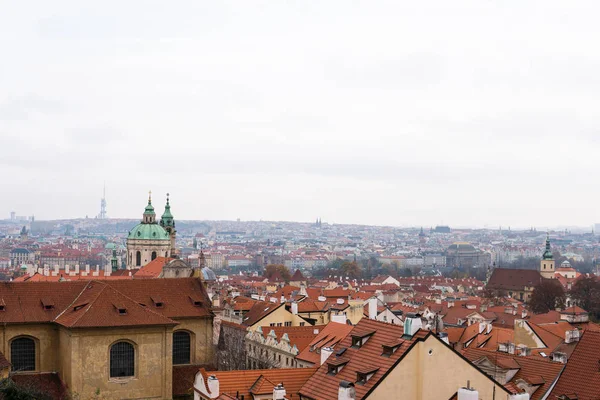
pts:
pixel 35 353
pixel 190 358
pixel 135 360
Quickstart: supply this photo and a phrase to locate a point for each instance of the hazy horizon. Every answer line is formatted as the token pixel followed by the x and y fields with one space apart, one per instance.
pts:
pixel 462 113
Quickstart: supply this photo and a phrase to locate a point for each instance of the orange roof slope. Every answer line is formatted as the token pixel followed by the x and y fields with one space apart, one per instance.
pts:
pixel 329 336
pixel 366 358
pixel 153 269
pixel 582 374
pixel 251 382
pixel 530 368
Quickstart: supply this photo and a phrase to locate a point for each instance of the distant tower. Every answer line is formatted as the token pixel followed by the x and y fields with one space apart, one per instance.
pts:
pixel 168 222
pixel 102 214
pixel 547 263
pixel 113 261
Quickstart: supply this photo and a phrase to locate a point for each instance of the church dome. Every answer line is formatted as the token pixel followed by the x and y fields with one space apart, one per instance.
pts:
pixel 208 274
pixel 148 232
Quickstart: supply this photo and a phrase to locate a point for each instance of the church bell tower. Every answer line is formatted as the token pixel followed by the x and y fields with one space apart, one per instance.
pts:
pixel 547 263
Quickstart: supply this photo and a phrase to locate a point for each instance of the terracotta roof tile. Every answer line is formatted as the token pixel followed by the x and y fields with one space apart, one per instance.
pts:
pixel 582 372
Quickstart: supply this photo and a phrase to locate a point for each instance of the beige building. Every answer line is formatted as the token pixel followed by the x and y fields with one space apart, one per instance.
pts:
pixel 119 339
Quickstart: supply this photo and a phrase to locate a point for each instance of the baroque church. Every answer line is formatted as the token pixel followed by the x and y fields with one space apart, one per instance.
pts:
pixel 151 239
pixel 519 283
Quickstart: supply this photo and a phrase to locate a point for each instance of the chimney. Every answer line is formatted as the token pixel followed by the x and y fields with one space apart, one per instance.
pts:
pixel 322 298
pixel 87 269
pixel 273 300
pixel 346 391
pixel 279 392
pixel 294 308
pixel 325 353
pixel 444 337
pixel 523 313
pixel 67 269
pixel 572 336
pixel 282 300
pixel 77 269
pixel 56 269
pixel 213 386
pixel 373 308
pixel 468 393
pixel 412 324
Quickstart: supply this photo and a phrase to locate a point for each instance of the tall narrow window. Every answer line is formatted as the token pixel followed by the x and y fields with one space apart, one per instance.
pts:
pixel 138 258
pixel 153 255
pixel 22 354
pixel 181 348
pixel 122 360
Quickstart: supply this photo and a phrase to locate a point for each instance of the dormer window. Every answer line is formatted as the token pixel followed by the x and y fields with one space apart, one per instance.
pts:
pixel 364 375
pixel 197 301
pixel 158 302
pixel 360 338
pixel 2 305
pixel 389 349
pixel 121 309
pixel 79 306
pixel 47 304
pixel 335 366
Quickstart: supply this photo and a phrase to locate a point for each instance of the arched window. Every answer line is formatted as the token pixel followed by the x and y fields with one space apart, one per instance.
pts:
pixel 153 255
pixel 122 360
pixel 138 258
pixel 181 347
pixel 22 354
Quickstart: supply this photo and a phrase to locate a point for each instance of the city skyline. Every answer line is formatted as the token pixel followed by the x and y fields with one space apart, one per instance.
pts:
pixel 465 114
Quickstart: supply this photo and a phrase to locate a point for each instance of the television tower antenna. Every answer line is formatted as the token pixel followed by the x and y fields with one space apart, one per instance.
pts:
pixel 103 204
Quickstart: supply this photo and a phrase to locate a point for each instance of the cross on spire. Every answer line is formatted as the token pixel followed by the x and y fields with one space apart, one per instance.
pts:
pixel 149 196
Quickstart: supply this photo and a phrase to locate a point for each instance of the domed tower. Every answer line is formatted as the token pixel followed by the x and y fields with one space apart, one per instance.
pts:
pixel 168 223
pixel 147 240
pixel 547 263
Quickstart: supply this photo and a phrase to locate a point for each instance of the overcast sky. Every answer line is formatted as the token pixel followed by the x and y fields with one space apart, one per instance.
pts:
pixel 468 113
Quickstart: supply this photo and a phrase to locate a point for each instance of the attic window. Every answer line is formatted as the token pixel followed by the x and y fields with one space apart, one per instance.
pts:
pixel 360 338
pixel 364 375
pixel 47 304
pixel 389 349
pixel 158 302
pixel 197 301
pixel 79 306
pixel 335 366
pixel 121 309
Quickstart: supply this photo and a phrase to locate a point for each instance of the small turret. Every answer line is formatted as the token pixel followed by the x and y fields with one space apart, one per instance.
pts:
pixel 149 216
pixel 547 263
pixel 113 261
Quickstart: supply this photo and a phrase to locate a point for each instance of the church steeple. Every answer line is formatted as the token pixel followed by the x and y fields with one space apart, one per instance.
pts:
pixel 547 263
pixel 149 214
pixel 167 218
pixel 113 262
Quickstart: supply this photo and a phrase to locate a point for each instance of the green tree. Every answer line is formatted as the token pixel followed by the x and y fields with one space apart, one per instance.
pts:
pixel 547 296
pixel 351 269
pixel 586 294
pixel 272 269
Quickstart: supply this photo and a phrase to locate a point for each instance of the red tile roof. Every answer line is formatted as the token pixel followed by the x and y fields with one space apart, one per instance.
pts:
pixel 582 372
pixel 261 381
pixel 369 356
pixel 153 269
pixel 301 336
pixel 532 369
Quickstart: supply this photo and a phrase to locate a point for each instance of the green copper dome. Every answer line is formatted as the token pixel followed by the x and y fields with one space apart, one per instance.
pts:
pixel 148 232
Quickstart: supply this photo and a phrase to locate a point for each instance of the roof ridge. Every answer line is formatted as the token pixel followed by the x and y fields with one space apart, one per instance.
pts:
pixel 89 304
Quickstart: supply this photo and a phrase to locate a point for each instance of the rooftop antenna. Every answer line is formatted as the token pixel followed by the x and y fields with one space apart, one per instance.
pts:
pixel 103 203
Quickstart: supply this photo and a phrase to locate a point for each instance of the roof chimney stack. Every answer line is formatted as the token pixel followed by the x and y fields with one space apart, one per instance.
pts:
pixel 294 307
pixel 346 391
pixel 373 308
pixel 325 353
pixel 468 393
pixel 213 386
pixel 412 324
pixel 279 392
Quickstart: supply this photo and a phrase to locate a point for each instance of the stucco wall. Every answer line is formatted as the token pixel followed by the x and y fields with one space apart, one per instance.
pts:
pixel 46 338
pixel 89 362
pixel 422 375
